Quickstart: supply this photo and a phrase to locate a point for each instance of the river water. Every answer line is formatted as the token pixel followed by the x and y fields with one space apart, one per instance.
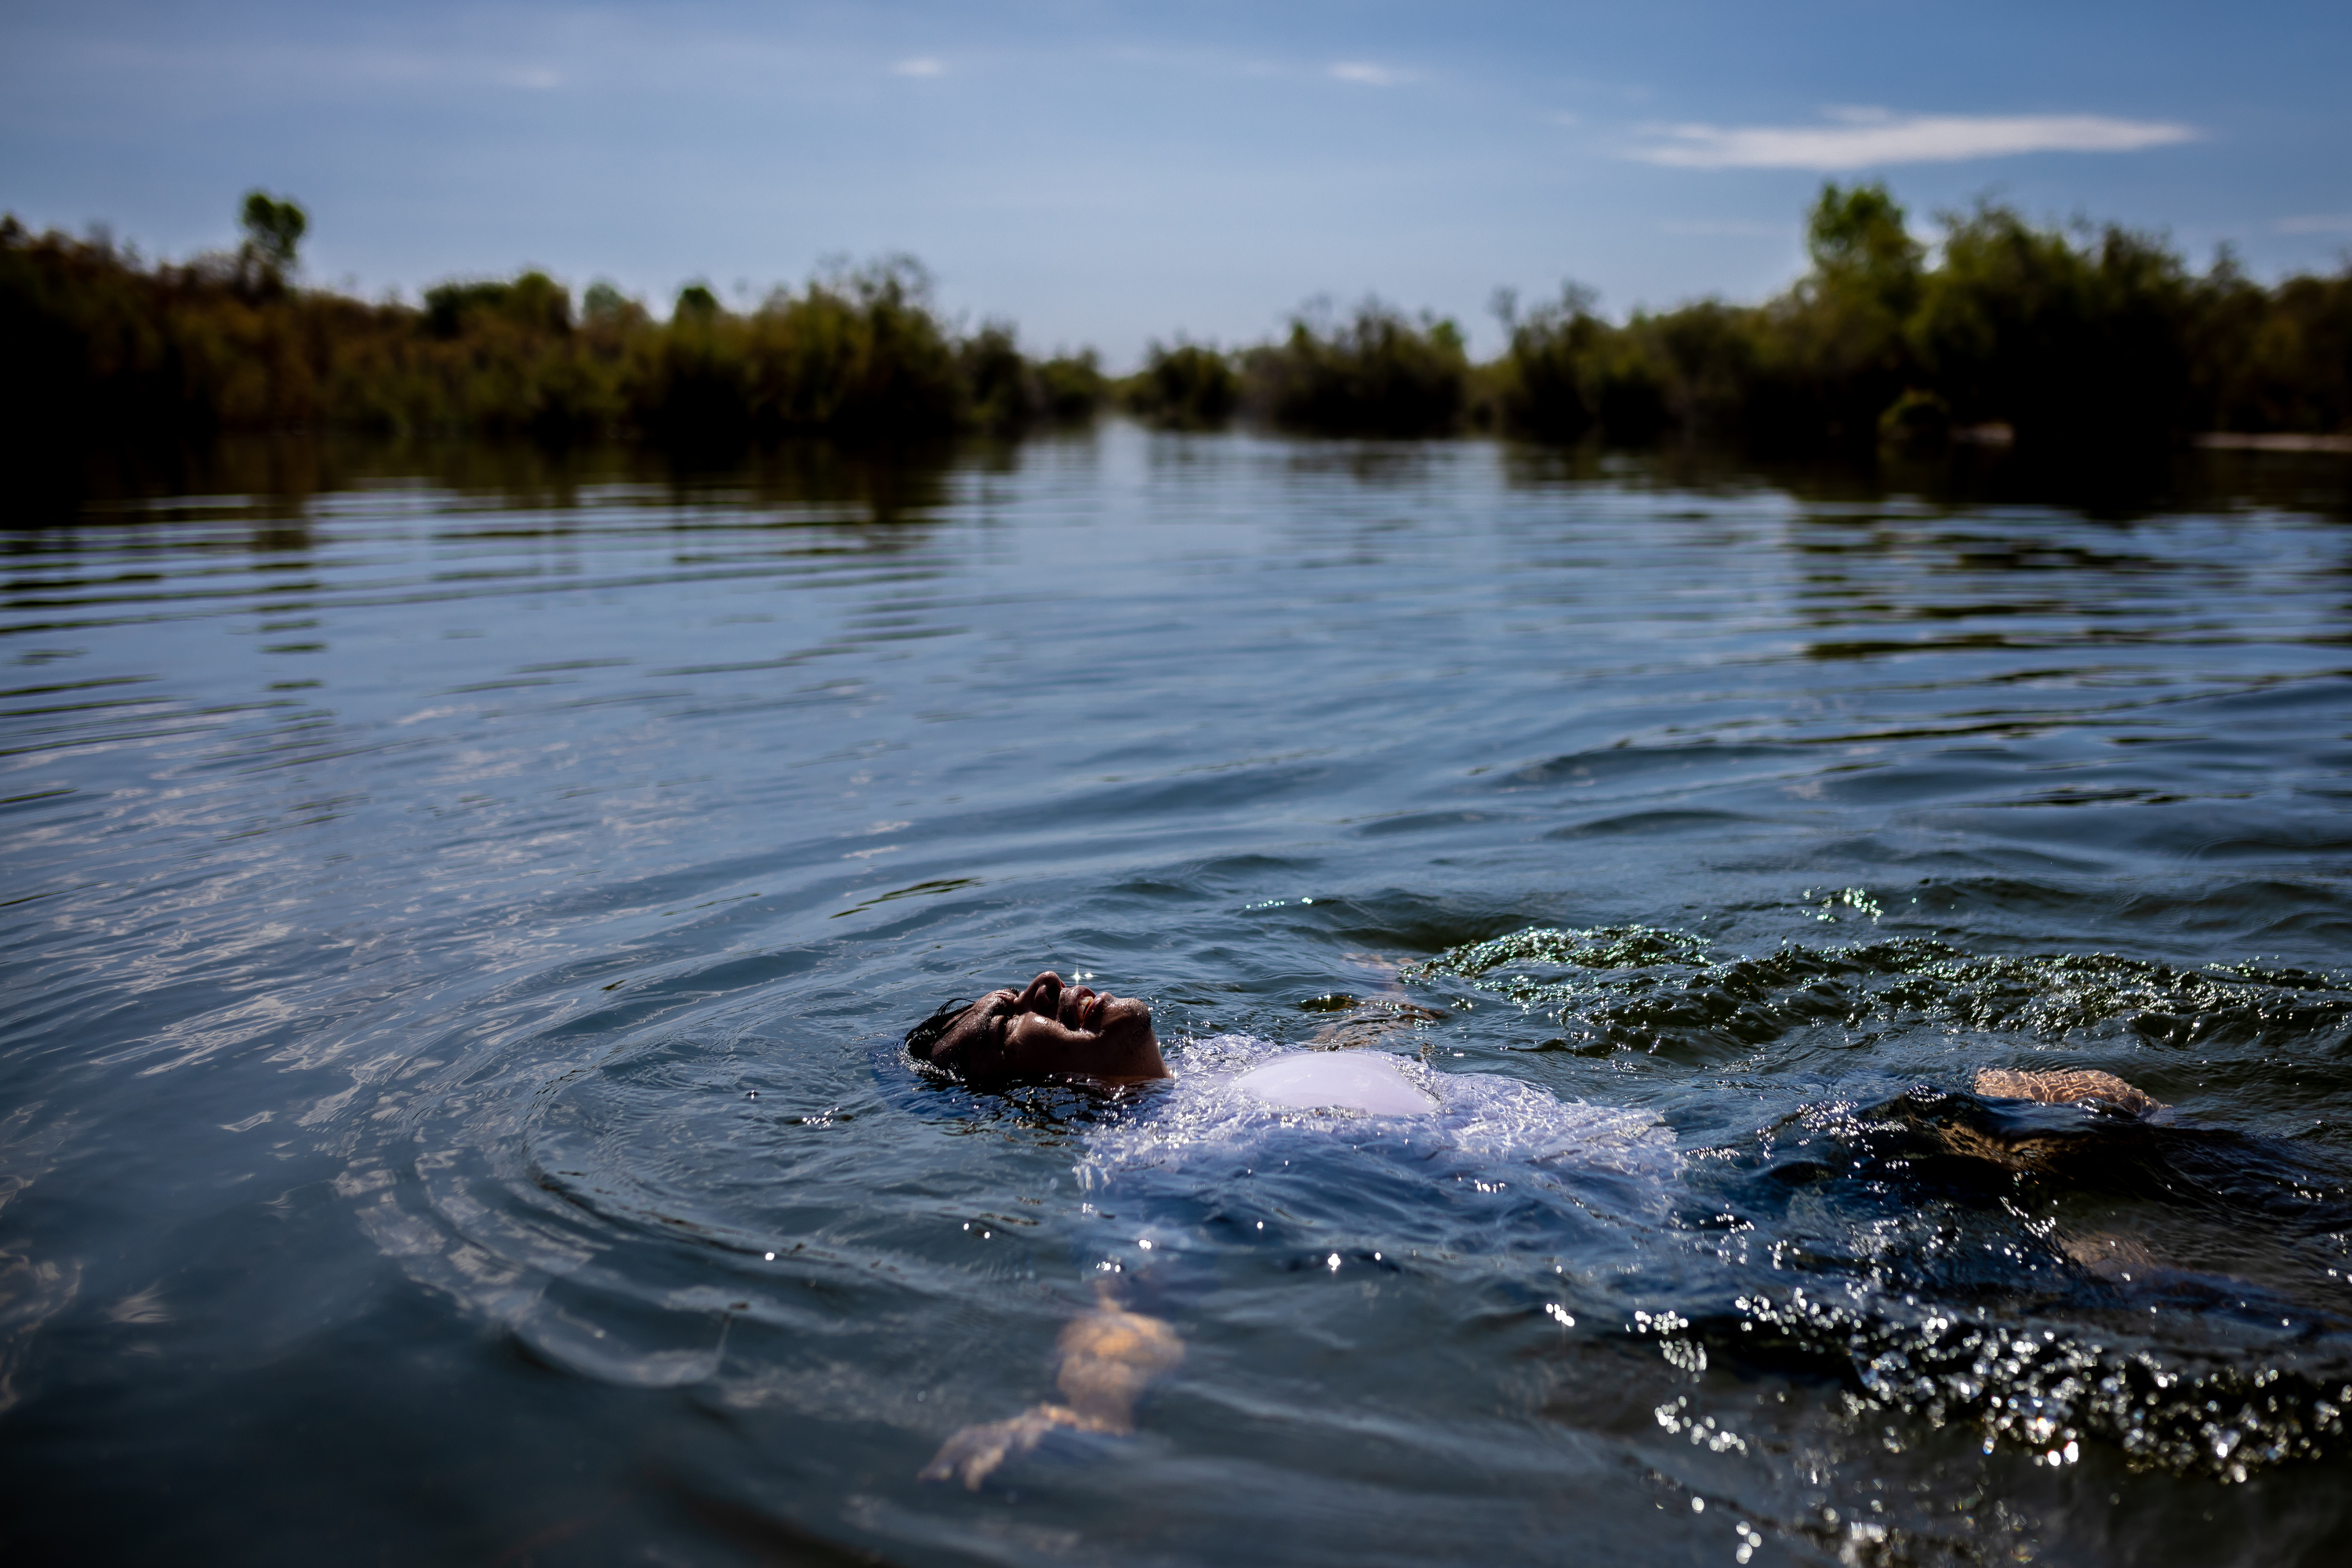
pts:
pixel 460 909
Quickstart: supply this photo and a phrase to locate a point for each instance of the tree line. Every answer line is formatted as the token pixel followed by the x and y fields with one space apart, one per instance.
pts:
pixel 2065 337
pixel 2059 337
pixel 102 342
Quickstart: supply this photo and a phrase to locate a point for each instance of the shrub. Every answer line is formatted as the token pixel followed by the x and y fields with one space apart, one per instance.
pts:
pixel 1188 386
pixel 1072 387
pixel 102 342
pixel 2071 343
pixel 2077 338
pixel 1550 385
pixel 1376 373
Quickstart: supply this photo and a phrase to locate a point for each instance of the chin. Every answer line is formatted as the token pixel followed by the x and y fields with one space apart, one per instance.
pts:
pixel 1135 1060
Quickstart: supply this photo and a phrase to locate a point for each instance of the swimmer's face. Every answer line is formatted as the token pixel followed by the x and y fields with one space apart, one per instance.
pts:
pixel 1051 1030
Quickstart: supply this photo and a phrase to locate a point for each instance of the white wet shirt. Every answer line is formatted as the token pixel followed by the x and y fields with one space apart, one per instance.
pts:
pixel 1335 1080
pixel 1235 1096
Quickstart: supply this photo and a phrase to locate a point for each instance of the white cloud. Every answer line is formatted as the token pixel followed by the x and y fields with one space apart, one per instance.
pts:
pixel 1860 138
pixel 1365 74
pixel 2317 223
pixel 921 65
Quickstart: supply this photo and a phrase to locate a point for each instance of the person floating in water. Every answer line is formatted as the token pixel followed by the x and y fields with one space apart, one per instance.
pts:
pixel 1053 1032
pixel 1108 1356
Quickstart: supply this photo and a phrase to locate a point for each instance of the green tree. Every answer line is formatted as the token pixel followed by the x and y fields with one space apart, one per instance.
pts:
pixel 2074 345
pixel 1378 372
pixel 1191 386
pixel 604 303
pixel 1071 386
pixel 273 230
pixel 1860 244
pixel 996 379
pixel 1551 372
pixel 1830 355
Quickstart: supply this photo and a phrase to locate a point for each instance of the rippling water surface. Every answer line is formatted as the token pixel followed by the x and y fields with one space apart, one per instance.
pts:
pixel 458 921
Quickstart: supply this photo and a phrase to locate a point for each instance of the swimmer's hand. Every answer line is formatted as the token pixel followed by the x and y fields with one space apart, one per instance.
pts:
pixel 2065 1085
pixel 973 1454
pixel 1109 1358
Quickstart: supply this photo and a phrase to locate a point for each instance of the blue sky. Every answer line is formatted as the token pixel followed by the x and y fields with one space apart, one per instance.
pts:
pixel 1104 172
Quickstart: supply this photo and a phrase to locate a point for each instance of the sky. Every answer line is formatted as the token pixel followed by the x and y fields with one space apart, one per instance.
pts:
pixel 1105 174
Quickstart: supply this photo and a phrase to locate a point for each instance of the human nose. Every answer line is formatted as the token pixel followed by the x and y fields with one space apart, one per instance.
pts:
pixel 1043 993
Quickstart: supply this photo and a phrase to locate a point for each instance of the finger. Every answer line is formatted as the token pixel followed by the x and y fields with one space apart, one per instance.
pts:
pixel 968 1456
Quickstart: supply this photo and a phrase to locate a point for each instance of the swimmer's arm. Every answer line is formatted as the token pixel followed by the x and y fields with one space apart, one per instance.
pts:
pixel 2063 1086
pixel 1109 1357
pixel 971 1454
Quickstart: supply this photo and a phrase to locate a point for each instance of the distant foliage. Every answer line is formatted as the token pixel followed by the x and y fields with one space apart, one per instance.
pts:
pixel 1378 372
pixel 861 352
pixel 273 230
pixel 1188 386
pixel 1009 392
pixel 1071 386
pixel 2067 342
pixel 104 344
pixel 1553 390
pixel 2274 359
pixel 2073 339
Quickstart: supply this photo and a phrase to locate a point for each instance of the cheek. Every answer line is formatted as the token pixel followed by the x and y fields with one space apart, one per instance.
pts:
pixel 1036 1045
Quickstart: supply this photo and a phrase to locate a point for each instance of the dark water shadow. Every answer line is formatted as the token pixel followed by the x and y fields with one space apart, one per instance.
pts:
pixel 282 475
pixel 2119 487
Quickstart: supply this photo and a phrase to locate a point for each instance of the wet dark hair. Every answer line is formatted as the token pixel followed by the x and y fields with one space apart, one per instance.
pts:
pixel 925 1035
